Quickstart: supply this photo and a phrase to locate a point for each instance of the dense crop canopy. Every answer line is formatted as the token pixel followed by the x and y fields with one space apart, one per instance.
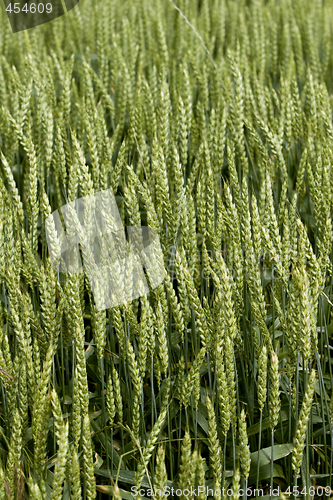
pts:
pixel 211 123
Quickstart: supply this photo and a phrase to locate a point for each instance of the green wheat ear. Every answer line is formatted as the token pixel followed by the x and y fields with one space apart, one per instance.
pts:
pixel 160 472
pixel 274 401
pixel 215 456
pixel 298 443
pixel 186 468
pixel 245 459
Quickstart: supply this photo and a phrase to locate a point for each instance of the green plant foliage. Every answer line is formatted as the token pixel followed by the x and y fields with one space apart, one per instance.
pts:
pixel 211 121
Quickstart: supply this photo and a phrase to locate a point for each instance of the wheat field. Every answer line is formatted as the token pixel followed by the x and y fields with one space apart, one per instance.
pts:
pixel 212 123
